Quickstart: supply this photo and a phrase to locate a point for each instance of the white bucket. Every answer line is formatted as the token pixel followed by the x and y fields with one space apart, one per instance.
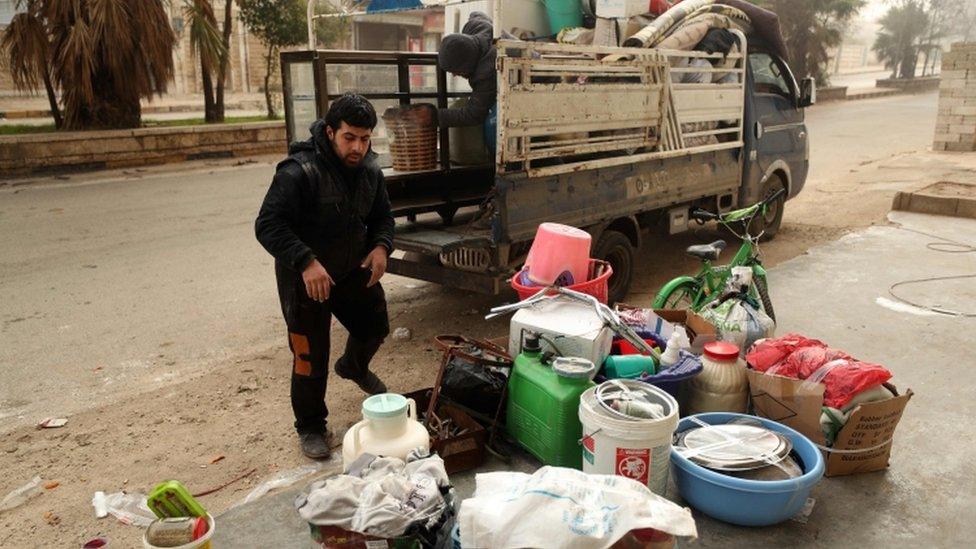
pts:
pixel 638 449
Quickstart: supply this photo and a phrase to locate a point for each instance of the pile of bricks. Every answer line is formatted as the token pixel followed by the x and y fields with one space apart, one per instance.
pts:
pixel 955 128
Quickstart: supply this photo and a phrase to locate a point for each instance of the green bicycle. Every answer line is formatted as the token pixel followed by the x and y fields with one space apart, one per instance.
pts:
pixel 694 292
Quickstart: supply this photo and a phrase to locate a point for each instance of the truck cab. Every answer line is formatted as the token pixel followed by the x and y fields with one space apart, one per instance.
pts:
pixel 777 144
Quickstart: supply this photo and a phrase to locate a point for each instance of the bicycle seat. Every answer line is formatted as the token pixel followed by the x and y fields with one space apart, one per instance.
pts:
pixel 707 251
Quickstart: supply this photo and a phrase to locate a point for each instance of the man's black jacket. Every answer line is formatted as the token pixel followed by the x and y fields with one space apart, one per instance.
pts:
pixel 318 208
pixel 482 76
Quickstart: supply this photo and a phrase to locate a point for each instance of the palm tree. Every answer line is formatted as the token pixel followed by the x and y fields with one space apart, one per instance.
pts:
pixel 104 55
pixel 25 42
pixel 811 28
pixel 898 42
pixel 222 71
pixel 206 41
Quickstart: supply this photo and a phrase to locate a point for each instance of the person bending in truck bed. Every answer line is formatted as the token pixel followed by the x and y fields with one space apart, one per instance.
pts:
pixel 327 221
pixel 471 55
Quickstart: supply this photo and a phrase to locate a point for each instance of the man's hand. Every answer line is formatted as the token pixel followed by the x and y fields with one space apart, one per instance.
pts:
pixel 375 262
pixel 318 283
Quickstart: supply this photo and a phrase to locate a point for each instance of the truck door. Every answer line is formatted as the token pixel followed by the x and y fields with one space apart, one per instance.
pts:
pixel 776 135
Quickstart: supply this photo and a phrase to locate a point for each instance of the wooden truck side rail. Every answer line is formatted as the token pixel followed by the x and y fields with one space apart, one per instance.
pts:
pixel 566 108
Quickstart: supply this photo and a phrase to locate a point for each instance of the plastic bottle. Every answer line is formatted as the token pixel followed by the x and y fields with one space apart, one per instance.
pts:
pixel 21 495
pixel 677 342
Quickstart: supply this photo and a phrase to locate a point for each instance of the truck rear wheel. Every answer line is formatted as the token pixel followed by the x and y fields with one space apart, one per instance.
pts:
pixel 769 224
pixel 615 248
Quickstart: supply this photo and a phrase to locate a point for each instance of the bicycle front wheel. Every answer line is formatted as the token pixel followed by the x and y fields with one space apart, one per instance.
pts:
pixel 679 296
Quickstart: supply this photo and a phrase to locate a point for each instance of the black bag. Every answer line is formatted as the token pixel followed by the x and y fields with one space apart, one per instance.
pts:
pixel 474 374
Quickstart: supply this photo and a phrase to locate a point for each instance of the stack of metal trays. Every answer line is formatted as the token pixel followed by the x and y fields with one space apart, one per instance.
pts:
pixel 733 447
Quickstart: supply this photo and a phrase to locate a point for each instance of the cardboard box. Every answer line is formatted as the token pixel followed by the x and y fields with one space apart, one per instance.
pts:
pixel 621 8
pixel 662 322
pixel 862 446
pixel 574 328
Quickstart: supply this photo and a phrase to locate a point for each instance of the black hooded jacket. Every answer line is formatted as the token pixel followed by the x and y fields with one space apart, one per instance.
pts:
pixel 318 208
pixel 473 54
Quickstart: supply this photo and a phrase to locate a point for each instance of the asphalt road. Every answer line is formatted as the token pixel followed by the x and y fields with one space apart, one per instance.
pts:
pixel 115 283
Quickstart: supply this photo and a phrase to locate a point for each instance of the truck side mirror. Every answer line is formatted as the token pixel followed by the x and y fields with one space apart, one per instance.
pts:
pixel 808 93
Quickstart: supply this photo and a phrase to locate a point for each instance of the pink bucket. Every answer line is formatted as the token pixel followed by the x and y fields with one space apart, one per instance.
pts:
pixel 559 253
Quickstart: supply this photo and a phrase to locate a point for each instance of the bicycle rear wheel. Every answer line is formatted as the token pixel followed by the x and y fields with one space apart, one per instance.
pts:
pixel 681 296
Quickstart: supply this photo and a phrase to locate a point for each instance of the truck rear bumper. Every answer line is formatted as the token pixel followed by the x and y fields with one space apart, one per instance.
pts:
pixel 474 282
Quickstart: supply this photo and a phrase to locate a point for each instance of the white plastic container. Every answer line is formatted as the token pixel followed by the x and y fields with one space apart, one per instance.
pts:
pixel 637 449
pixel 723 384
pixel 389 428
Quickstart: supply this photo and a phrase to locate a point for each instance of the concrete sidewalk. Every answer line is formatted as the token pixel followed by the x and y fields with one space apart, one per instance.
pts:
pixel 838 293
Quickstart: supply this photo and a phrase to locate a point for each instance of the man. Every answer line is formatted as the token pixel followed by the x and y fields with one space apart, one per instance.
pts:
pixel 326 220
pixel 471 55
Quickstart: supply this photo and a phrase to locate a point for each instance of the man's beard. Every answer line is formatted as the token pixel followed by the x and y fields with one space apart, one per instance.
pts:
pixel 347 160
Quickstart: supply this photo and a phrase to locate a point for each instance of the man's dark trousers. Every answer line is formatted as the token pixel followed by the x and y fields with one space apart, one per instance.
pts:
pixel 361 310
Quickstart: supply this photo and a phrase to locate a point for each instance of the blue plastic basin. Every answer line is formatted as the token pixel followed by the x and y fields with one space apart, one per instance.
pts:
pixel 742 501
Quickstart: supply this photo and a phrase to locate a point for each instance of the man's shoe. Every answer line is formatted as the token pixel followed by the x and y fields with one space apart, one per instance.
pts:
pixel 315 445
pixel 371 384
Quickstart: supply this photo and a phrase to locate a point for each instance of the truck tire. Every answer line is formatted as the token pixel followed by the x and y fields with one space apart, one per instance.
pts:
pixel 771 222
pixel 615 248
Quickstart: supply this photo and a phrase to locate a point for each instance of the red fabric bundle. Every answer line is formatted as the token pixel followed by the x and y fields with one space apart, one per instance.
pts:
pixel 803 362
pixel 768 353
pixel 849 378
pixel 798 357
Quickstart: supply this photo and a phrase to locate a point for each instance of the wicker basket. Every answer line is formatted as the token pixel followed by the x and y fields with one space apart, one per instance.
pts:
pixel 413 145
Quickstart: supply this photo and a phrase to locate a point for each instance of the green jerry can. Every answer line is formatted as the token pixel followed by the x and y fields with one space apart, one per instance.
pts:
pixel 543 405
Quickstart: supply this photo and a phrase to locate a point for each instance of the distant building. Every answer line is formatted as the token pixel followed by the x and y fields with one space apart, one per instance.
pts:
pixel 415 30
pixel 247 55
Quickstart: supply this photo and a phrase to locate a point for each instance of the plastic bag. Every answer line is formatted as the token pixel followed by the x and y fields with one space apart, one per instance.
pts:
pixel 473 385
pixel 21 495
pixel 768 353
pixel 557 507
pixel 474 375
pixel 797 357
pixel 803 362
pixel 282 479
pixel 844 379
pixel 130 509
pixel 739 322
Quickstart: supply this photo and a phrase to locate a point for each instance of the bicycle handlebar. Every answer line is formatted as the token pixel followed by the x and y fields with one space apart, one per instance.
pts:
pixel 702 215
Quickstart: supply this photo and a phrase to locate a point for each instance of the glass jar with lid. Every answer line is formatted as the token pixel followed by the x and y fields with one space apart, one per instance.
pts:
pixel 722 385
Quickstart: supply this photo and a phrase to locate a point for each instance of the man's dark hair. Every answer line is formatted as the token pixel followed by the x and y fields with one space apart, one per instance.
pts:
pixel 353 109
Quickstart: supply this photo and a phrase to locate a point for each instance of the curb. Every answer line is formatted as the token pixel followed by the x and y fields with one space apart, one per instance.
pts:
pixel 943 198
